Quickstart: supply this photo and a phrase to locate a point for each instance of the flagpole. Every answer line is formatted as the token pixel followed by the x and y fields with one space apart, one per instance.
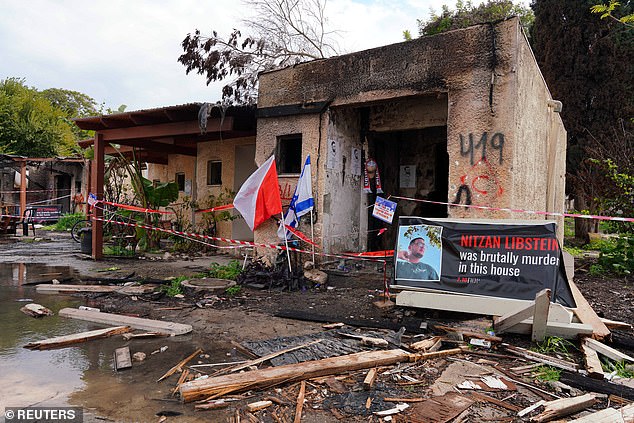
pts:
pixel 312 235
pixel 288 253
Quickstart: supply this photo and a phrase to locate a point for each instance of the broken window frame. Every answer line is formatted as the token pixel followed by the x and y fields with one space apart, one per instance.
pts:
pixel 288 154
pixel 179 178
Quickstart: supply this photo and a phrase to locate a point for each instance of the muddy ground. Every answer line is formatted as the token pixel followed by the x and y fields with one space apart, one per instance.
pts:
pixel 253 314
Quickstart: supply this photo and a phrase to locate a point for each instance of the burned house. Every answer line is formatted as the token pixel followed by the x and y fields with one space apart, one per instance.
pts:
pixel 460 117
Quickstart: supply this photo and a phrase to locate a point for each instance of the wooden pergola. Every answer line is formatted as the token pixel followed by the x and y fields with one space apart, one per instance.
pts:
pixel 153 135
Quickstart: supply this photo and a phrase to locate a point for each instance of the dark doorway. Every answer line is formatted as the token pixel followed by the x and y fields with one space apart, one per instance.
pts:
pixel 412 164
pixel 62 192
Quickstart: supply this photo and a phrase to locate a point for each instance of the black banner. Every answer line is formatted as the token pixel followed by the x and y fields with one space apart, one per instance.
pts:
pixel 494 259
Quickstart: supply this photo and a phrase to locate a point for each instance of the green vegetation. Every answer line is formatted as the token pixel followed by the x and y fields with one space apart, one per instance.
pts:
pixel 229 271
pixel 616 257
pixel 175 287
pixel 66 222
pixel 117 251
pixel 233 290
pixel 546 373
pixel 555 345
pixel 619 367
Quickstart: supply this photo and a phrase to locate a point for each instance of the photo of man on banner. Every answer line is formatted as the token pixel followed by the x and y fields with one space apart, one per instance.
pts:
pixel 419 253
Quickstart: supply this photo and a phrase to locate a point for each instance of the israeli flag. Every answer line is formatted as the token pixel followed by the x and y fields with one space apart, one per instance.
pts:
pixel 301 203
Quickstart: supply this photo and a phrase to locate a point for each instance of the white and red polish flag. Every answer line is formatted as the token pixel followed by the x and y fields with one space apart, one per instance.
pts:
pixel 259 196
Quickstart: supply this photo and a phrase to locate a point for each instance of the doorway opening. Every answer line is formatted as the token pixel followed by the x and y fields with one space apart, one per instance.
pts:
pixel 412 164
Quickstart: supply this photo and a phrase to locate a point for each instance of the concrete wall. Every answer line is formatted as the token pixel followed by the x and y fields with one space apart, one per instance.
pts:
pixel 481 82
pixel 223 150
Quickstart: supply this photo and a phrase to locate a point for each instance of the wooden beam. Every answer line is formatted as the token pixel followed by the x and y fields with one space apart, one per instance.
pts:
pixel 300 402
pixel 118 319
pixel 563 330
pixel 262 378
pixel 22 189
pixel 540 315
pixel 127 290
pixel 97 189
pixel 165 130
pixel 593 364
pixel 609 352
pixel 624 414
pixel 160 147
pixel 478 304
pixel 564 407
pixel 587 315
pixel 67 340
pixel 502 324
pixel 370 378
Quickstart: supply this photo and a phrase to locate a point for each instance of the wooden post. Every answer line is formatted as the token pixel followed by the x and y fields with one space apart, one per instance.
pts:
pixel 23 189
pixel 97 182
pixel 540 315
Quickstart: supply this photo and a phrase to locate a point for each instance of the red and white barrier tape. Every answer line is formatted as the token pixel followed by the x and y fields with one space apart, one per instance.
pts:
pixel 583 216
pixel 217 208
pixel 235 241
pixel 134 208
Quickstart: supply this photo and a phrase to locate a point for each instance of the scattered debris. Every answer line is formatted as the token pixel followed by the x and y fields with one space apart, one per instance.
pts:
pixel 139 356
pixel 36 310
pixel 179 367
pixel 122 358
pixel 259 405
pixel 564 407
pixel 397 409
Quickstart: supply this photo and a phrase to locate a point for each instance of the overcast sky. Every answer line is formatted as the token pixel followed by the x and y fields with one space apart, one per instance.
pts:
pixel 125 51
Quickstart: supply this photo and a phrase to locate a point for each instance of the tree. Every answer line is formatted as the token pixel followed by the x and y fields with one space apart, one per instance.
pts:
pixel 283 33
pixel 587 64
pixel 30 125
pixel 607 11
pixel 467 15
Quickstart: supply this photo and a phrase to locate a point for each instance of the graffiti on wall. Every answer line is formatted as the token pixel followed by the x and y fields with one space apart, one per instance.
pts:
pixel 476 150
pixel 480 182
pixel 286 191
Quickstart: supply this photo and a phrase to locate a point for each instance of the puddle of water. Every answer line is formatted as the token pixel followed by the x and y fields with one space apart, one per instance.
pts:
pixel 83 375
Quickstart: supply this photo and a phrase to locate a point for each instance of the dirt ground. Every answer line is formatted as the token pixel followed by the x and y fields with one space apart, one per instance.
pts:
pixel 259 314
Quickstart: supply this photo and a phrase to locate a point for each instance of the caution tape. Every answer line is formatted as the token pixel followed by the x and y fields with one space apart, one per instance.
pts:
pixel 235 241
pixel 583 216
pixel 217 208
pixel 134 208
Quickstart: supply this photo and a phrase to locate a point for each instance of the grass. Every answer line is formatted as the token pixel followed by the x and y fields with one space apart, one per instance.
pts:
pixel 66 222
pixel 619 367
pixel 229 271
pixel 546 373
pixel 117 251
pixel 175 287
pixel 555 345
pixel 233 290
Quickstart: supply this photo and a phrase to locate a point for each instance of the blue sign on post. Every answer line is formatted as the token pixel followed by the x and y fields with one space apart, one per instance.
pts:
pixel 384 209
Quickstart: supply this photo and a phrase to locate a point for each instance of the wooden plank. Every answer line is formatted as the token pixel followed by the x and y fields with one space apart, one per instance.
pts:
pixel 501 324
pixel 435 300
pixel 609 415
pixel 563 330
pixel 564 407
pixel 64 341
pixel 300 402
pixel 542 358
pixel 615 324
pixel 594 385
pixel 259 405
pixel 369 380
pixel 607 351
pixel 256 379
pixel 593 364
pixel 587 315
pixel 65 288
pixel 133 322
pixel 540 315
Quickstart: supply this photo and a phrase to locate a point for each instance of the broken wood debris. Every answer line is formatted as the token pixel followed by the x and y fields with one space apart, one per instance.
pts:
pixel 370 378
pixel 259 405
pixel 66 340
pixel 65 288
pixel 486 398
pixel 144 335
pixel 624 414
pixel 542 358
pixel 606 350
pixel 260 360
pixel 179 367
pixel 564 407
pixel 440 409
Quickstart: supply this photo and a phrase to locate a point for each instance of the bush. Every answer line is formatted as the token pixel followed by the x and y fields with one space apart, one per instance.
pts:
pixel 617 257
pixel 66 222
pixel 230 271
